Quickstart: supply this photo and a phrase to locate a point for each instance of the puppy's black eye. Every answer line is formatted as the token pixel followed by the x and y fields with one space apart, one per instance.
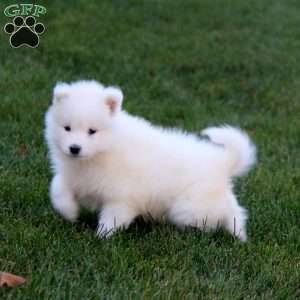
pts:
pixel 92 131
pixel 67 128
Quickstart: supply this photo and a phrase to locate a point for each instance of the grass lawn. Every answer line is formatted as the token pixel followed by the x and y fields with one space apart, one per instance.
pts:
pixel 188 64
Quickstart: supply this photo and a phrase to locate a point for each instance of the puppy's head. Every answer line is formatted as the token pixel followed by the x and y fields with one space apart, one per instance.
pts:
pixel 81 118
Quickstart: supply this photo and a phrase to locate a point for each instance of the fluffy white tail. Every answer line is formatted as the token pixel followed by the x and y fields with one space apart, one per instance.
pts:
pixel 241 150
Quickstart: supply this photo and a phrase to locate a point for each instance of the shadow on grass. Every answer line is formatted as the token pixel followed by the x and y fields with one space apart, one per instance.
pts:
pixel 141 228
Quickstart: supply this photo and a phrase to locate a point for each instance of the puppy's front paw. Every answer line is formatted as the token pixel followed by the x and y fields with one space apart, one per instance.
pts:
pixel 114 217
pixel 71 214
pixel 63 199
pixel 104 232
pixel 68 209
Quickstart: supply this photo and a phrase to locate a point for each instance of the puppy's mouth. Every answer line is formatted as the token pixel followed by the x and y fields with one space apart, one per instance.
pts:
pixel 75 156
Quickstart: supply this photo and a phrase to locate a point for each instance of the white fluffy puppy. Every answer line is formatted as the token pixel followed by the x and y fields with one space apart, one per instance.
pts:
pixel 107 159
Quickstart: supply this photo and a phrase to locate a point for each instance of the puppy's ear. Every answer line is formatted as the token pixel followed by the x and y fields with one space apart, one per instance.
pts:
pixel 113 98
pixel 60 91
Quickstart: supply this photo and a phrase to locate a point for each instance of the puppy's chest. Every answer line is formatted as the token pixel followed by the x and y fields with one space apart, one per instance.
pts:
pixel 94 183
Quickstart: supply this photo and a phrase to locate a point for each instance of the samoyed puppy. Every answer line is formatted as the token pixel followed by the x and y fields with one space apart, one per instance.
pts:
pixel 123 166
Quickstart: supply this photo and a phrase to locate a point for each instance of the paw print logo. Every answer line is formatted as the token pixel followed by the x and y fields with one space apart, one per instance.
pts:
pixel 24 32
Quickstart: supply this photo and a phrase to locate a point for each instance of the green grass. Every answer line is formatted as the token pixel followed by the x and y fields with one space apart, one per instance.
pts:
pixel 188 64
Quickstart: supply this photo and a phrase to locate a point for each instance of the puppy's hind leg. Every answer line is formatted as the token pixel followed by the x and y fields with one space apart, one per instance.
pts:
pixel 235 220
pixel 185 213
pixel 113 217
pixel 209 215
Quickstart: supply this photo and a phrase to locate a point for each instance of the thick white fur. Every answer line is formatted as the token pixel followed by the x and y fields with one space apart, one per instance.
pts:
pixel 130 167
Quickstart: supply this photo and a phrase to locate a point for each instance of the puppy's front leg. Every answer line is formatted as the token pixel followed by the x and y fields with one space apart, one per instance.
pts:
pixel 113 217
pixel 62 199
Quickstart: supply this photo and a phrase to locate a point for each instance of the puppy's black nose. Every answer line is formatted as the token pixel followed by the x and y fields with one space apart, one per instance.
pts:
pixel 75 149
